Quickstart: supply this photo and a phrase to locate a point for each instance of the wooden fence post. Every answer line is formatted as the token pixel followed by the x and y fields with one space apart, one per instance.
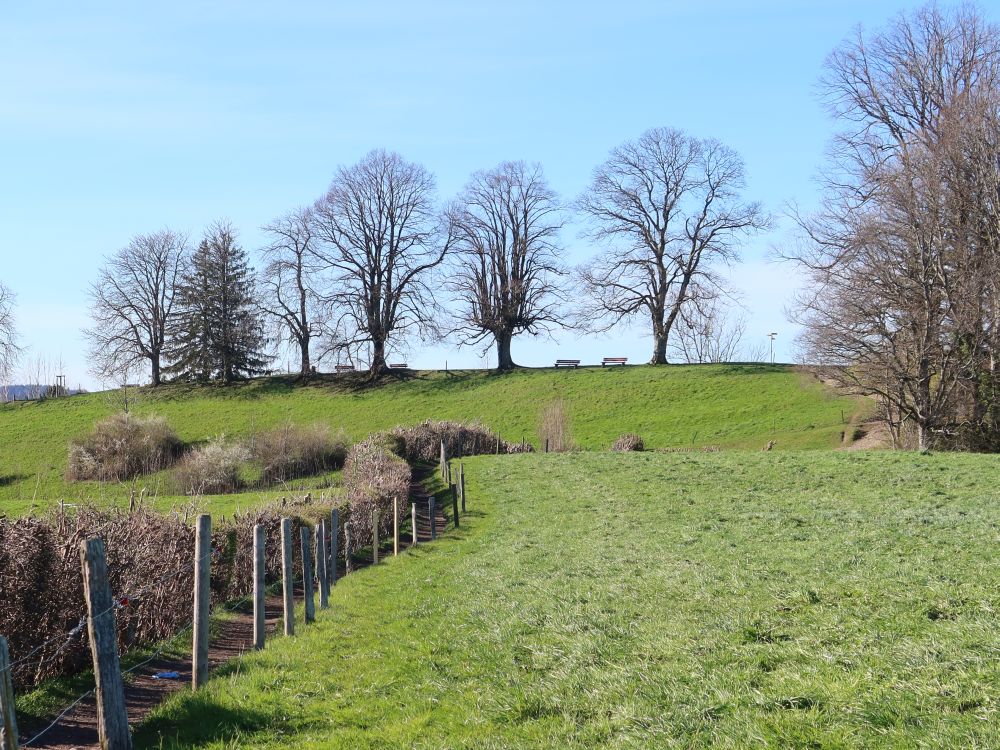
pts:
pixel 454 504
pixel 546 445
pixel 308 593
pixel 395 526
pixel 8 719
pixel 324 582
pixel 202 599
pixel 432 506
pixel 375 536
pixel 259 570
pixel 461 484
pixel 444 459
pixel 413 522
pixel 334 542
pixel 287 575
pixel 112 719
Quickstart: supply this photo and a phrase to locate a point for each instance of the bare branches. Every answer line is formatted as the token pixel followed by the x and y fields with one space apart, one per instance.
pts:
pixel 507 268
pixel 286 283
pixel 378 235
pixel 704 333
pixel 668 206
pixel 10 352
pixel 131 302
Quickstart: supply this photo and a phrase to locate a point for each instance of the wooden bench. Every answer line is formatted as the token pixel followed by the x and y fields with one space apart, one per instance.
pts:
pixel 614 361
pixel 567 363
pixel 345 368
pixel 399 366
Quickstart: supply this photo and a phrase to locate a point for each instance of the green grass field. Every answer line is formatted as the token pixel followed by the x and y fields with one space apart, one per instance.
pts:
pixel 593 600
pixel 731 406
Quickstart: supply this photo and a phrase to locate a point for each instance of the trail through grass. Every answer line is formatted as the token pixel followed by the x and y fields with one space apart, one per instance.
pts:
pixel 820 600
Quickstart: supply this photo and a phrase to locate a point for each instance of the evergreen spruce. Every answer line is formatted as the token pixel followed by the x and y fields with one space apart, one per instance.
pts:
pixel 217 332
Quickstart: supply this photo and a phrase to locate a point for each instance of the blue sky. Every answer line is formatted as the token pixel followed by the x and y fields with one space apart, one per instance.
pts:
pixel 117 119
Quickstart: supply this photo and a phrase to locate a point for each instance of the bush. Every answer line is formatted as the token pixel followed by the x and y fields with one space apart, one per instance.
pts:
pixel 554 427
pixel 294 451
pixel 628 442
pixel 212 469
pixel 422 442
pixel 373 477
pixel 123 447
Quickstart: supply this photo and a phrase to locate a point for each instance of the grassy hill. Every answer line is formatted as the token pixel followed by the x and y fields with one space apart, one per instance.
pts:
pixel 731 406
pixel 700 600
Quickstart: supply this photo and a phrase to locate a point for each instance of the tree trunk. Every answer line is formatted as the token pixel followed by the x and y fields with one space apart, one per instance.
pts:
pixel 504 360
pixel 155 374
pixel 306 365
pixel 659 349
pixel 378 365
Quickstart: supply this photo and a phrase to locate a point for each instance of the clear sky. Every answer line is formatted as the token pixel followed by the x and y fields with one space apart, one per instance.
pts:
pixel 123 118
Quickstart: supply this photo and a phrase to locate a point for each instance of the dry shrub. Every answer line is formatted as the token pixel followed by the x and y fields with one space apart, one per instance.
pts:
pixel 422 442
pixel 122 447
pixel 554 427
pixel 150 565
pixel 520 448
pixel 295 451
pixel 373 477
pixel 212 469
pixel 628 442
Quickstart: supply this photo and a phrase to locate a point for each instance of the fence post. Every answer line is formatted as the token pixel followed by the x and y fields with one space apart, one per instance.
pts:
pixel 324 582
pixel 308 594
pixel 413 523
pixel 444 459
pixel 259 570
pixel 202 595
pixel 334 542
pixel 395 526
pixel 546 445
pixel 287 575
pixel 8 719
pixel 454 504
pixel 461 483
pixel 432 506
pixel 375 536
pixel 112 719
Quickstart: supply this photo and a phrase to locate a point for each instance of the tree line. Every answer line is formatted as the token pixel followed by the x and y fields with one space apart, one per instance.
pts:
pixel 376 261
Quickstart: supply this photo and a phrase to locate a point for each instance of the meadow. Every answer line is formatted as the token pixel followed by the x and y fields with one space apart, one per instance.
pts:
pixel 728 406
pixel 724 600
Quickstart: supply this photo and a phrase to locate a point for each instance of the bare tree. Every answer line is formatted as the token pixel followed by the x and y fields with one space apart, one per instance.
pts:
pixel 10 351
pixel 705 333
pixel 507 268
pixel 903 258
pixel 131 303
pixel 668 205
pixel 379 232
pixel 288 298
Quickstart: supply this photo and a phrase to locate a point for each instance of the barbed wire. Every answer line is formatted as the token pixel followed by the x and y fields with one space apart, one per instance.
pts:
pixel 59 718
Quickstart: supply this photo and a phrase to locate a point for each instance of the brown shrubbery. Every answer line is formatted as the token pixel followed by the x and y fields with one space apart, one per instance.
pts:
pixel 628 442
pixel 373 477
pixel 150 562
pixel 294 451
pixel 123 447
pixel 422 442
pixel 212 469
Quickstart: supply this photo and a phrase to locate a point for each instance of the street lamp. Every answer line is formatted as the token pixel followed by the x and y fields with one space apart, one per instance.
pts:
pixel 772 336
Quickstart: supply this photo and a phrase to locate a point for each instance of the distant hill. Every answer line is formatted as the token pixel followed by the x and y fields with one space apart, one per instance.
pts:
pixel 29 392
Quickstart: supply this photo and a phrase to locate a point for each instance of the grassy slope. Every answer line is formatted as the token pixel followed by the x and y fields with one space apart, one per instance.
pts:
pixel 727 405
pixel 725 600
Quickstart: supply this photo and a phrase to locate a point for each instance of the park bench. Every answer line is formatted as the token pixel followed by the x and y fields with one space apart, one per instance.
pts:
pixel 399 366
pixel 345 368
pixel 567 363
pixel 614 361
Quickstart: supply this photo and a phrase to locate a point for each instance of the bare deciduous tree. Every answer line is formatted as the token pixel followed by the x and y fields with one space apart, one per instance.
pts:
pixel 379 233
pixel 9 349
pixel 903 257
pixel 704 332
pixel 288 299
pixel 131 304
pixel 507 268
pixel 668 205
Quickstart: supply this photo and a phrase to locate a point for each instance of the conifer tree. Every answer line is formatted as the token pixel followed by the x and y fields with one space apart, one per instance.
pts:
pixel 217 332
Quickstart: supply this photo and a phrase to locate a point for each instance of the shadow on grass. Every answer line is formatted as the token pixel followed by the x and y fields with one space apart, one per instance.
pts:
pixel 6 480
pixel 198 718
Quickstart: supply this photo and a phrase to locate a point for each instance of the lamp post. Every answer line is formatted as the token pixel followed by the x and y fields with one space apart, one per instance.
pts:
pixel 772 336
